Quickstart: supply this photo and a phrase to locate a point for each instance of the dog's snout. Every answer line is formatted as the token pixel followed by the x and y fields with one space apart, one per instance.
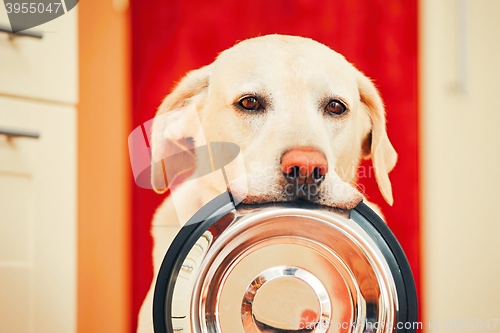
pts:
pixel 304 165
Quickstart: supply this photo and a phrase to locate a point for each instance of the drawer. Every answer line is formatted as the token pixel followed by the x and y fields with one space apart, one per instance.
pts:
pixel 38 217
pixel 44 68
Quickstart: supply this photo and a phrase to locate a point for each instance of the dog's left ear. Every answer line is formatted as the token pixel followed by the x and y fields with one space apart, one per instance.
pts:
pixel 377 145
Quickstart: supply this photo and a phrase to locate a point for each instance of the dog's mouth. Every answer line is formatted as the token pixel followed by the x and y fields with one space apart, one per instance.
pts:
pixel 343 205
pixel 270 185
pixel 301 193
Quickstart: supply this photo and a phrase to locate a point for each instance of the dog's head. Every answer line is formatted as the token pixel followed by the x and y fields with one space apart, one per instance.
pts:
pixel 302 115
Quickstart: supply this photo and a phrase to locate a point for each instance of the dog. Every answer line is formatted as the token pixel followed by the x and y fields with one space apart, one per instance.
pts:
pixel 302 116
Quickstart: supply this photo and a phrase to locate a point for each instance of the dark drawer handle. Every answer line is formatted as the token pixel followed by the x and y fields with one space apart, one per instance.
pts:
pixel 13 133
pixel 8 30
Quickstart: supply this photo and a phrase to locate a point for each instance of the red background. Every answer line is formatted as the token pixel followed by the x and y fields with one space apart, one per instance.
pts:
pixel 171 37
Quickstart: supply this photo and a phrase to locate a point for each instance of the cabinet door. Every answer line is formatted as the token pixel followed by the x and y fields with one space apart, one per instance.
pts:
pixel 44 69
pixel 37 218
pixel 460 53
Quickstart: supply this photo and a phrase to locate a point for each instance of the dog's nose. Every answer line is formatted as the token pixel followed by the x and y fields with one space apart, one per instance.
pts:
pixel 304 165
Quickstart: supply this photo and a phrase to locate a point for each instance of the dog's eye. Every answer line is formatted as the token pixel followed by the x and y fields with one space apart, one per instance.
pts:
pixel 250 103
pixel 335 107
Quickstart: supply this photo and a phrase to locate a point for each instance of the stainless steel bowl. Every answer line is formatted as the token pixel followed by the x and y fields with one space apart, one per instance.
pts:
pixel 284 268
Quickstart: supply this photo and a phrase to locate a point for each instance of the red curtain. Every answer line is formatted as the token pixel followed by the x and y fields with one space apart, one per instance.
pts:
pixel 171 37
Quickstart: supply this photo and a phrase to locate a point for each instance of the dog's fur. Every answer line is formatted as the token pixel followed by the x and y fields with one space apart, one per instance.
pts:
pixel 294 78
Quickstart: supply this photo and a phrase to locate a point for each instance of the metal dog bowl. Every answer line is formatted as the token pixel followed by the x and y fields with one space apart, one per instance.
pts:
pixel 284 268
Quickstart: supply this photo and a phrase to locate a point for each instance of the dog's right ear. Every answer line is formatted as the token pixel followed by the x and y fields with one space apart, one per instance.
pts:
pixel 177 130
pixel 377 145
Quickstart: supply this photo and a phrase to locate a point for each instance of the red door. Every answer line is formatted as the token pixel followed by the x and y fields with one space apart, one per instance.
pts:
pixel 380 37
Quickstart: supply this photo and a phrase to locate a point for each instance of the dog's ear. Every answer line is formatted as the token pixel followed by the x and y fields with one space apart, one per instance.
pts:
pixel 176 130
pixel 376 145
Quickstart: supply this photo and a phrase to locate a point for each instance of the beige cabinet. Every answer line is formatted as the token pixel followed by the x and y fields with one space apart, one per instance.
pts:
pixel 460 82
pixel 38 218
pixel 43 69
pixel 38 93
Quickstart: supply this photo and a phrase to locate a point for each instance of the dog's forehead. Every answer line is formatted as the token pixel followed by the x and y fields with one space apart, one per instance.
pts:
pixel 278 58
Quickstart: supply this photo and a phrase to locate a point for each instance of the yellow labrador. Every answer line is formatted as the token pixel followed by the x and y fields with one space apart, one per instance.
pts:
pixel 302 115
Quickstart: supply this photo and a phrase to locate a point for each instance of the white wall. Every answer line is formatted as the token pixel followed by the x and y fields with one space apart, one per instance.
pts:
pixel 460 160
